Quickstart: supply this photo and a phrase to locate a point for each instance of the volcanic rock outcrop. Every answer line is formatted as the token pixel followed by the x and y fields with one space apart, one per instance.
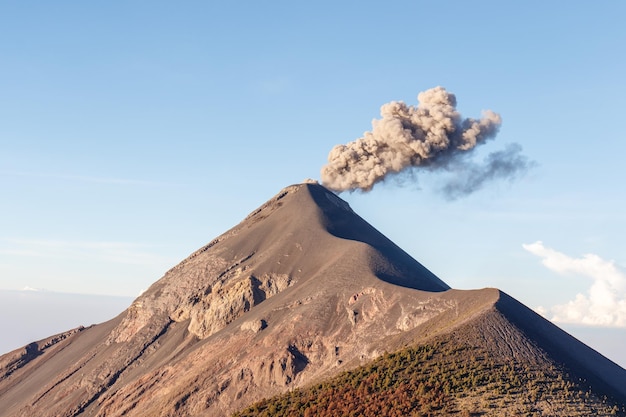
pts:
pixel 300 290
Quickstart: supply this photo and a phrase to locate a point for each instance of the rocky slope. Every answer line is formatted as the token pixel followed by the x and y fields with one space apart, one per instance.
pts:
pixel 461 372
pixel 301 289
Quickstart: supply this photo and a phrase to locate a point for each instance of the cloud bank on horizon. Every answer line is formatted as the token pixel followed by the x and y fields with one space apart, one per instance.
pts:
pixel 432 135
pixel 605 301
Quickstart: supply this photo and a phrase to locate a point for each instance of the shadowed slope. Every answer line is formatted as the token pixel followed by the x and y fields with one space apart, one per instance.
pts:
pixel 340 221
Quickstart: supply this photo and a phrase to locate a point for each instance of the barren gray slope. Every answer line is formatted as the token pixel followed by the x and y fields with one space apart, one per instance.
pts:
pixel 305 246
pixel 303 288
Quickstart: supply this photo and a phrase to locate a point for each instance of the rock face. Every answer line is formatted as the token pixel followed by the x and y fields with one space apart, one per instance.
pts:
pixel 301 289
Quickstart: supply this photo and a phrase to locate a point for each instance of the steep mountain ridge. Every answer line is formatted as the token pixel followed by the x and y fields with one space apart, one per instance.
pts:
pixel 301 289
pixel 579 358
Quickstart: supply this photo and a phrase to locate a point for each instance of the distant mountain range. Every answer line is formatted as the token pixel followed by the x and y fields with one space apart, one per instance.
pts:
pixel 305 309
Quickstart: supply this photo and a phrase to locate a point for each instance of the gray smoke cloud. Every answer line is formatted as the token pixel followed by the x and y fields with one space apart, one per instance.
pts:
pixel 432 135
pixel 508 164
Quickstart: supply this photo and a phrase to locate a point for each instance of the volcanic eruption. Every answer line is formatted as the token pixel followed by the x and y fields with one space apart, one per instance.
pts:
pixel 432 135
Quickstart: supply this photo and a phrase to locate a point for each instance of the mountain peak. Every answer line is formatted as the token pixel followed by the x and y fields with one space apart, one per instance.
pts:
pixel 303 234
pixel 302 289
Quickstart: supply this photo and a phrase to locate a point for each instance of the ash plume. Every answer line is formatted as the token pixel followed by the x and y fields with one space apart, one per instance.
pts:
pixel 431 135
pixel 508 163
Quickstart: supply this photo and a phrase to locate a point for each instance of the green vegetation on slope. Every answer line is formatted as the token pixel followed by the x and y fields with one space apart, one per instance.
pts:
pixel 442 378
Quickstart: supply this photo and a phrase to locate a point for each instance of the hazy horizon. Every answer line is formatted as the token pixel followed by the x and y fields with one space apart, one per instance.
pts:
pixel 29 316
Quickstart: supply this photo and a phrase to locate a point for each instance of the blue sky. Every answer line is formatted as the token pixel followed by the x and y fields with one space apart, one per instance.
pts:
pixel 132 133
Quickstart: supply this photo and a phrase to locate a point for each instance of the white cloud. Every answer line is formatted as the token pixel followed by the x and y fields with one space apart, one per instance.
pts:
pixel 541 310
pixel 604 303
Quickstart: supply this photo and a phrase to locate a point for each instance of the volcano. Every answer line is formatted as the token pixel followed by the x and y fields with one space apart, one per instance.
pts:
pixel 302 290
